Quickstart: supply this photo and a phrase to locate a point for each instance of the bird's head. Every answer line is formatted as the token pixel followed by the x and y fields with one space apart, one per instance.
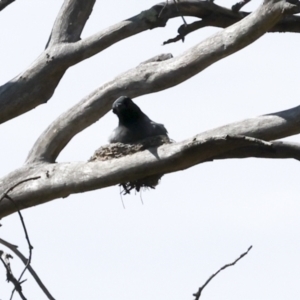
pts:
pixel 126 109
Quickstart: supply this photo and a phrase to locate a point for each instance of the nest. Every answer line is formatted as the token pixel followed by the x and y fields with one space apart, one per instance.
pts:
pixel 117 150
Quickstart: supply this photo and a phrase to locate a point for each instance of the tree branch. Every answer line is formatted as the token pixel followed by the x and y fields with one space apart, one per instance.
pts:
pixel 14 249
pixel 70 21
pixel 4 258
pixel 30 247
pixel 153 77
pixel 237 7
pixel 5 3
pixel 279 150
pixel 37 84
pixel 62 179
pixel 225 18
pixel 15 185
pixel 184 30
pixel 267 127
pixel 198 294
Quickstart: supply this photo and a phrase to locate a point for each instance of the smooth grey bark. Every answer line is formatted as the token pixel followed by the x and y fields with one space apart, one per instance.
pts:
pixel 154 77
pixel 37 84
pixel 62 179
pixel 70 21
pixel 248 138
pixel 267 127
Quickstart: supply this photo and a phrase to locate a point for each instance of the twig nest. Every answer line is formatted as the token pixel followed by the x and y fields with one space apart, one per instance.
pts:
pixel 117 150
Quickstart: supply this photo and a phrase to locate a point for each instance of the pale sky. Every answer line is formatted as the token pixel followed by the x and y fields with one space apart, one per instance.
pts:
pixel 87 246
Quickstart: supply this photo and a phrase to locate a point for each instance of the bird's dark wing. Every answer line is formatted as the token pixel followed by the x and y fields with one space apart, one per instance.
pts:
pixel 137 131
pixel 158 129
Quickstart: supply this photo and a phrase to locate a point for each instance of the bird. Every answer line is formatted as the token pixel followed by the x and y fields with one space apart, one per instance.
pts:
pixel 134 125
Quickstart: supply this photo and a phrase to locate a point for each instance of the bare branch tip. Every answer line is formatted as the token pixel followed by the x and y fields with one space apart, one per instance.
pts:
pixel 198 294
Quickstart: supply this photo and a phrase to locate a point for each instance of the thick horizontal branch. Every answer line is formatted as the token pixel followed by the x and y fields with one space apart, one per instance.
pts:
pixel 156 16
pixel 14 249
pixel 280 149
pixel 62 179
pixel 153 77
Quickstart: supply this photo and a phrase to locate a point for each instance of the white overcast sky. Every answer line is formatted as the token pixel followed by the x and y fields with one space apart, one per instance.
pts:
pixel 87 246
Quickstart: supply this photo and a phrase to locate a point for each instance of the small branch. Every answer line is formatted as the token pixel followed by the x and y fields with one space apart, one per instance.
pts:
pixel 198 294
pixel 5 3
pixel 70 21
pixel 14 249
pixel 4 257
pixel 237 7
pixel 27 239
pixel 180 13
pixel 5 195
pixel 184 30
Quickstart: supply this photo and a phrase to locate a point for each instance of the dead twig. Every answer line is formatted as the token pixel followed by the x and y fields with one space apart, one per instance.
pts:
pixel 184 30
pixel 17 287
pixel 4 257
pixel 236 7
pixel 4 3
pixel 198 294
pixel 27 239
pixel 15 250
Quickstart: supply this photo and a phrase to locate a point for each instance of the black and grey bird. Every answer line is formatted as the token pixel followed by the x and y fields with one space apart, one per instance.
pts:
pixel 134 125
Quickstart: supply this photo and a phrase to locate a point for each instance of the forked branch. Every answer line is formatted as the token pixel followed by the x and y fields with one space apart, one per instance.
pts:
pixel 4 258
pixel 153 77
pixel 37 84
pixel 14 249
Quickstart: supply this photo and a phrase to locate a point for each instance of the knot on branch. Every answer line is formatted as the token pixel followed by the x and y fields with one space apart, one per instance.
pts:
pixel 118 150
pixel 158 58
